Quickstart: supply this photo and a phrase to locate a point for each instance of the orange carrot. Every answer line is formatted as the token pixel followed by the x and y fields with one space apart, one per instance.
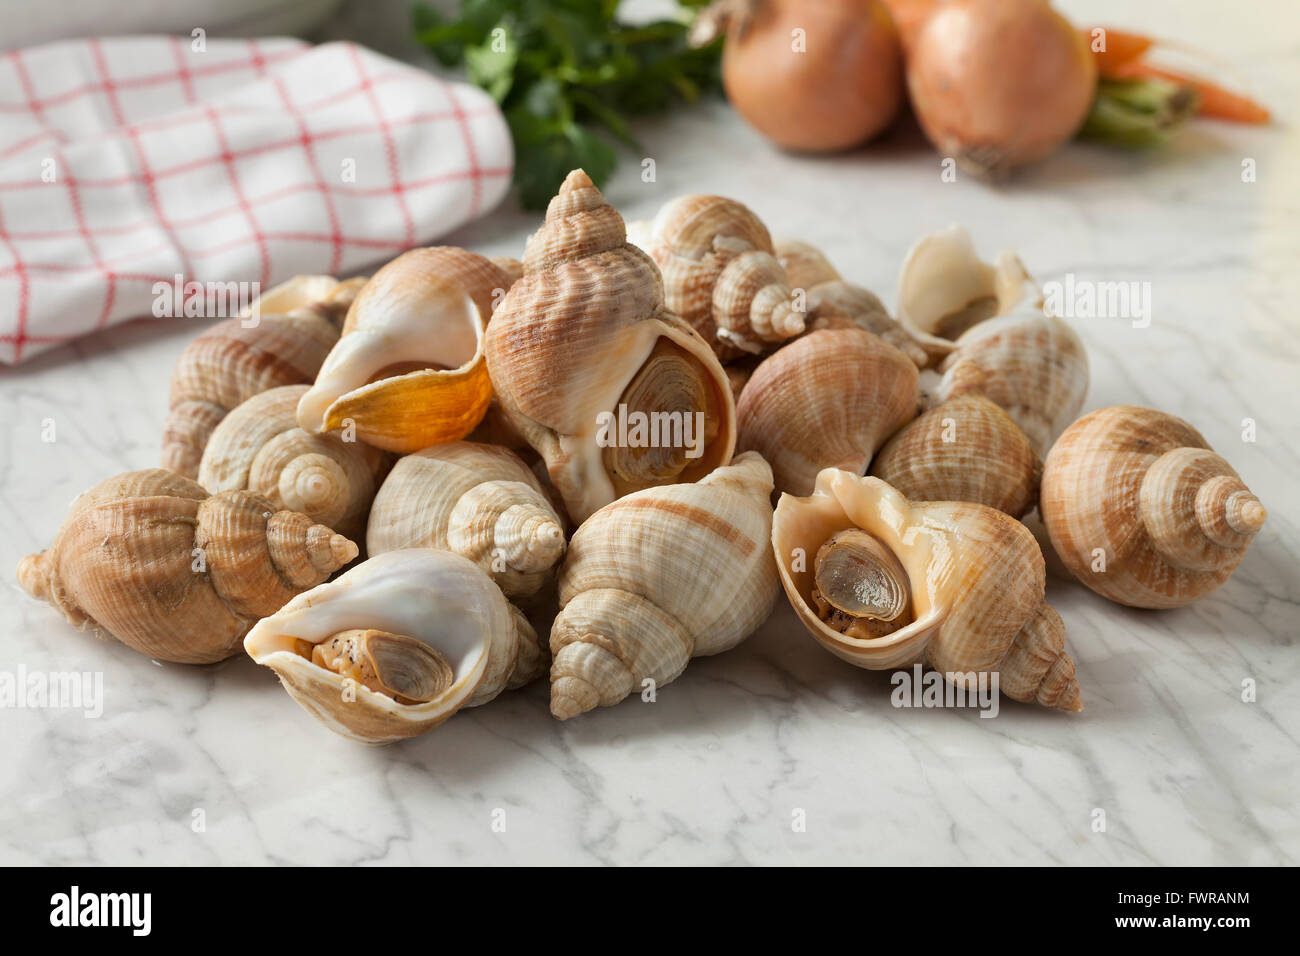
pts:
pixel 1214 100
pixel 1120 47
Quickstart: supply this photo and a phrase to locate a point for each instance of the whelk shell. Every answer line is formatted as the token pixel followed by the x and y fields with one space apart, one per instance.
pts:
pixel 975 579
pixel 173 572
pixel 418 625
pixel 1142 511
pixel 944 287
pixel 659 577
pixel 1031 364
pixel 409 370
pixel 827 400
pixel 965 449
pixel 831 303
pixel 720 274
pixel 480 501
pixel 259 447
pixel 297 324
pixel 584 337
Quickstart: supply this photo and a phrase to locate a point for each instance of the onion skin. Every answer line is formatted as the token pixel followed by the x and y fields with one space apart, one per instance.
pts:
pixel 844 89
pixel 909 16
pixel 999 83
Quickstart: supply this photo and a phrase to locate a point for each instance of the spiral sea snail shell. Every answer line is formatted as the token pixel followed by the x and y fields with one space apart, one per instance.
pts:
pixel 297 324
pixel 720 274
pixel 175 573
pixel 659 577
pixel 1142 511
pixel 409 370
pixel 259 447
pixel 584 338
pixel 396 645
pixel 831 302
pixel 478 500
pixel 827 400
pixel 883 582
pixel 964 449
pixel 1003 345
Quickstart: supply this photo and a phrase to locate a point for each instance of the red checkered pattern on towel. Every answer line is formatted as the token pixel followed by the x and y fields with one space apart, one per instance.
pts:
pixel 128 162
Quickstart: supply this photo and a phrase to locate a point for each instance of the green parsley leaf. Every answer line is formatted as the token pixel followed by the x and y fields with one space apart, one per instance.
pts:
pixel 567 71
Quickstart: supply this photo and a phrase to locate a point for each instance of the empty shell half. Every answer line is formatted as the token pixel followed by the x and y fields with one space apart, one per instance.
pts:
pixel 1003 343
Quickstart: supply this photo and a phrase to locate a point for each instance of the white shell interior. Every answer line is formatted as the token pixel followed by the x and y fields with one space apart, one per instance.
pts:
pixel 434 596
pixel 436 324
pixel 942 274
pixel 844 500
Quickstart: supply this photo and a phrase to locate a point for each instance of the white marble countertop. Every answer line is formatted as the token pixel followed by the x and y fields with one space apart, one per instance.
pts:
pixel 716 769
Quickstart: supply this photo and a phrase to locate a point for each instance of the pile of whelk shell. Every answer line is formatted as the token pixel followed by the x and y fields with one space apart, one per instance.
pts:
pixel 904 451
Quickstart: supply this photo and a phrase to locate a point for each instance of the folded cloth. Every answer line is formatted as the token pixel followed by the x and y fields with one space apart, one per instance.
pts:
pixel 130 165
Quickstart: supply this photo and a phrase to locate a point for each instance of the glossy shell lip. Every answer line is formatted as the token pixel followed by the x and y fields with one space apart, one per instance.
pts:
pixel 428 594
pixel 799 527
pixel 408 411
pixel 977 580
pixel 418 409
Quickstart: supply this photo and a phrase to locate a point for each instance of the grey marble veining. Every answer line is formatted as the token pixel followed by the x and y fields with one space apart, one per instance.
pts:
pixel 718 768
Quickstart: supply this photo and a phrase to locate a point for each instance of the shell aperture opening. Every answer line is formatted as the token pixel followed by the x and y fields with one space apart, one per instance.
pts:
pixel 952 325
pixel 674 392
pixel 403 668
pixel 860 587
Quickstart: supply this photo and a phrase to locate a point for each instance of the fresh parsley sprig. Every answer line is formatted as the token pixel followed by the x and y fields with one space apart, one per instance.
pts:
pixel 565 71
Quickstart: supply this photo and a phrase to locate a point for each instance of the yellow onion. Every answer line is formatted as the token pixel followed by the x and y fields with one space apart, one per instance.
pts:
pixel 812 75
pixel 996 84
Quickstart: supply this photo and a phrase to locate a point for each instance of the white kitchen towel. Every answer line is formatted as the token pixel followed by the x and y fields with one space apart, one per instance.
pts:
pixel 125 163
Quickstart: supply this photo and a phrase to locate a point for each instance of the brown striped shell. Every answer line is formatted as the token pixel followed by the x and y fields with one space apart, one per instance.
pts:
pixel 1002 343
pixel 974 580
pixel 659 577
pixel 478 500
pixel 259 447
pixel 965 449
pixel 175 573
pixel 283 341
pixel 830 303
pixel 827 400
pixel 584 333
pixel 1142 511
pixel 721 275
